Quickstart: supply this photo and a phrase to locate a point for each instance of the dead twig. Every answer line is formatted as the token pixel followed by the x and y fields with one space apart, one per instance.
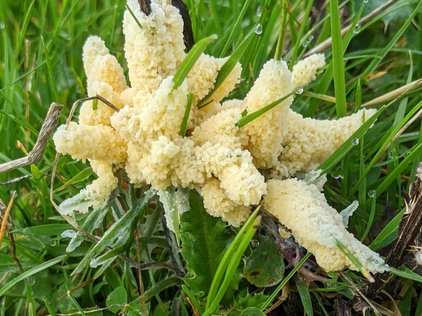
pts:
pixel 80 101
pixel 36 153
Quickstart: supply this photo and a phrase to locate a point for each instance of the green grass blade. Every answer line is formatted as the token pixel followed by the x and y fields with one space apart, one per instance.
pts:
pixel 338 60
pixel 388 234
pixel 254 115
pixel 347 146
pixel 232 266
pixel 134 16
pixel 43 266
pixel 355 261
pixel 192 298
pixel 417 150
pixel 43 230
pixel 225 261
pixel 191 59
pixel 284 282
pixel 282 32
pixel 235 27
pixel 300 33
pixel 371 218
pixel 406 274
pixel 184 126
pixel 227 68
pixel 81 176
pixel 401 111
pixel 384 51
pixel 385 141
pixel 305 297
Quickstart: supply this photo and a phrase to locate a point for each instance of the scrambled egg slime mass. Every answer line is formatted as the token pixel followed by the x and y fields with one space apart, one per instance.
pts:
pixel 223 162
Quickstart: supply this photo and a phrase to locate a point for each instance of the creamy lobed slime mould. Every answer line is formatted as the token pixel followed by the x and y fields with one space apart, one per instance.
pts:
pixel 223 162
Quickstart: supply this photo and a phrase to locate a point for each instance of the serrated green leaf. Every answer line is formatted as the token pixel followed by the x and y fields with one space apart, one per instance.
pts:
pixel 203 240
pixel 116 299
pixel 247 299
pixel 265 266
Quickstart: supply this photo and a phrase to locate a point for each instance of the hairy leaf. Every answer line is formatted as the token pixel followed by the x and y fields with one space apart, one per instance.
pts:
pixel 204 239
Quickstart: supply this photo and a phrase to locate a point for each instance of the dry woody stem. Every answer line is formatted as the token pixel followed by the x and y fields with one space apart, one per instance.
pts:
pixel 36 153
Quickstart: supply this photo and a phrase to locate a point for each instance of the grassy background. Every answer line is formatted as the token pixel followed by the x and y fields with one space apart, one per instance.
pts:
pixel 40 62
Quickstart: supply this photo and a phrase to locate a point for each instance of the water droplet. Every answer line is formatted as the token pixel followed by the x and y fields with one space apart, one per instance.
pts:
pixel 365 1
pixel 259 29
pixel 338 177
pixel 299 91
pixel 372 193
pixel 355 141
pixel 307 41
pixel 357 29
pixel 93 263
pixel 1 26
pixel 255 243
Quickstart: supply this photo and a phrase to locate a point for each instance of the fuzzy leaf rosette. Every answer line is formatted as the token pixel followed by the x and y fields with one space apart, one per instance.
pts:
pixel 223 162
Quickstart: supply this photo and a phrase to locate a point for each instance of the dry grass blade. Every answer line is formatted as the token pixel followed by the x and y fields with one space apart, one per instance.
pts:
pixel 6 216
pixel 328 42
pixel 397 93
pixel 36 153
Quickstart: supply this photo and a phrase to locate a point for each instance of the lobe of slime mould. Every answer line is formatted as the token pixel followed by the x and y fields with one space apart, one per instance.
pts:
pixel 262 137
pixel 155 50
pixel 303 209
